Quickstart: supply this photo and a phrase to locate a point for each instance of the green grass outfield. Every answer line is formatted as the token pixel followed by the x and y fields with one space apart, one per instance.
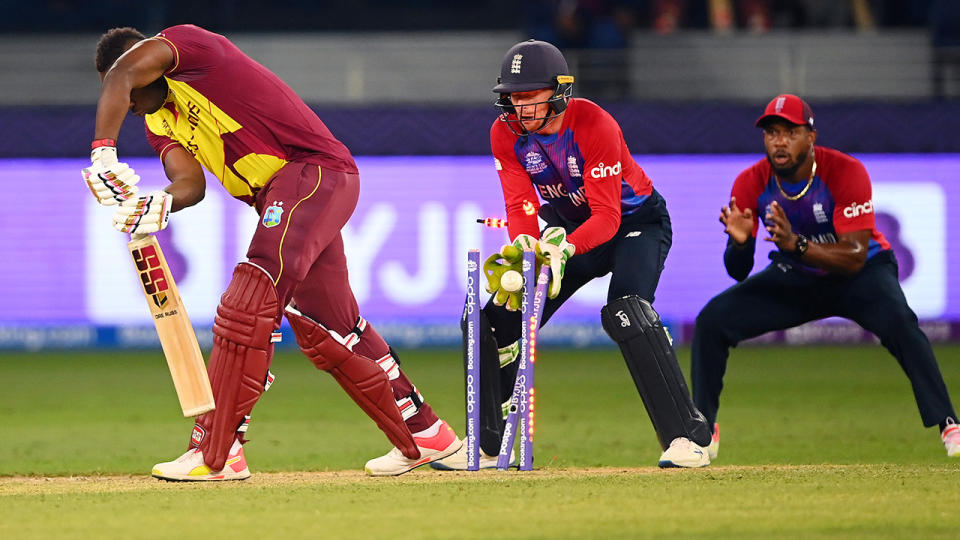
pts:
pixel 817 442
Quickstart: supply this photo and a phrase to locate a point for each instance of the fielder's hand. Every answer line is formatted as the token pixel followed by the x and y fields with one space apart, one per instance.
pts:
pixel 737 223
pixel 110 181
pixel 147 214
pixel 554 246
pixel 510 257
pixel 781 232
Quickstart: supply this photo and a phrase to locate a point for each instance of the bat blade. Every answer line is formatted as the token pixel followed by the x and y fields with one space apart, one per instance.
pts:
pixel 177 338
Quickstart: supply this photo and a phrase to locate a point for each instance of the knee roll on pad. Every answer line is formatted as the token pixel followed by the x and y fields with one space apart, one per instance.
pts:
pixel 240 359
pixel 648 350
pixel 364 380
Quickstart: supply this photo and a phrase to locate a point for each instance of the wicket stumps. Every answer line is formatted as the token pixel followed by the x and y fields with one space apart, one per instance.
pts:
pixel 521 409
pixel 471 340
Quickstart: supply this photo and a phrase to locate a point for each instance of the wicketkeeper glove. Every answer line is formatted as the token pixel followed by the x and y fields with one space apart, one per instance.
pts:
pixel 555 248
pixel 147 214
pixel 510 257
pixel 109 180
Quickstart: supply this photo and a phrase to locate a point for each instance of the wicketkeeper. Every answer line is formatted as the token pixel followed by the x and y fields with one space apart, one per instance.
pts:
pixel 602 216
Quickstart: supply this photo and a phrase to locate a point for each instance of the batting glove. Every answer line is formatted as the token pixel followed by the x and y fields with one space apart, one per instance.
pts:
pixel 555 248
pixel 109 180
pixel 144 215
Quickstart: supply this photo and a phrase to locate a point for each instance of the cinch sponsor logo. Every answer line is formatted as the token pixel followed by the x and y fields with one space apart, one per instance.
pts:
pixel 602 171
pixel 855 209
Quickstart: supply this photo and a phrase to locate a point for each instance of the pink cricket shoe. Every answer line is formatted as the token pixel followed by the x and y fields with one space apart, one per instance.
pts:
pixel 190 467
pixel 714 448
pixel 439 446
pixel 951 438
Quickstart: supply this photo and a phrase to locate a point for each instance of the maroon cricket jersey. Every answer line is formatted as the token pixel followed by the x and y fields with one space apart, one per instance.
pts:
pixel 237 118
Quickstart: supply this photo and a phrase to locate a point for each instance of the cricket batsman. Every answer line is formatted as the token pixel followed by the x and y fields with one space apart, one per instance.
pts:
pixel 208 105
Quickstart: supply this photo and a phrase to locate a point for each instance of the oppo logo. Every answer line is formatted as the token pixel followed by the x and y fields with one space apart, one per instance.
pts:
pixel 855 209
pixel 601 171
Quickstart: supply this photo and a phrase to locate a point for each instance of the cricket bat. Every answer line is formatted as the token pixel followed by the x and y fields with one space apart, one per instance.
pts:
pixel 176 334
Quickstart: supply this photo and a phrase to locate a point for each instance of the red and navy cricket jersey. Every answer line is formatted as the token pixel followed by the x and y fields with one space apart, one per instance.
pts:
pixel 585 172
pixel 237 118
pixel 839 199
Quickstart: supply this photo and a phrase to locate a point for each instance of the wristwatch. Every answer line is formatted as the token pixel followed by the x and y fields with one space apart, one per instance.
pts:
pixel 802 245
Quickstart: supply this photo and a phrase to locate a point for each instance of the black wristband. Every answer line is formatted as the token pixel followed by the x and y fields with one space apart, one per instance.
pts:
pixel 802 245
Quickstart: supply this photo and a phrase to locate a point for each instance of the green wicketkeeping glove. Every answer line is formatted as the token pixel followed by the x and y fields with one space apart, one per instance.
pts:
pixel 554 246
pixel 509 258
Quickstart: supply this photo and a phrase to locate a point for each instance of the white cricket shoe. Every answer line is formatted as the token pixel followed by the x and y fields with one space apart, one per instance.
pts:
pixel 714 448
pixel 394 463
pixel 951 438
pixel 190 467
pixel 457 461
pixel 684 453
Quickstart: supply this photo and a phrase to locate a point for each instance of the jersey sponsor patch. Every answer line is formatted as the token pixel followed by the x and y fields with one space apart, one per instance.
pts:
pixel 572 166
pixel 858 209
pixel 273 214
pixel 603 171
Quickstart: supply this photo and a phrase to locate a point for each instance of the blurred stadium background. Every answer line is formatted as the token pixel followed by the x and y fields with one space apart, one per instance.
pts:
pixel 406 85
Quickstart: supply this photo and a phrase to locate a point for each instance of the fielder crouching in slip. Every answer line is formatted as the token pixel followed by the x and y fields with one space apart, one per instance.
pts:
pixel 206 104
pixel 602 215
pixel 817 207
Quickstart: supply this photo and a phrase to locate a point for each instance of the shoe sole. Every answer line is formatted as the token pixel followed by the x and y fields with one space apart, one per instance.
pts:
pixel 218 478
pixel 672 465
pixel 431 459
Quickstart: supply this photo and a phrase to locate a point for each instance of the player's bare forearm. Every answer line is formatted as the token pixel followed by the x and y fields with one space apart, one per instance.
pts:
pixel 112 108
pixel 143 64
pixel 847 256
pixel 187 182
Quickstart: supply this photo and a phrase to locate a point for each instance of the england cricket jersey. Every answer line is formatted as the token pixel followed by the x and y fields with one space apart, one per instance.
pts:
pixel 238 119
pixel 585 172
pixel 838 199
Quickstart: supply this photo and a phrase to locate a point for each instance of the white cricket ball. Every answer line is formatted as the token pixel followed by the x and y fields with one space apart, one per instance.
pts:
pixel 511 281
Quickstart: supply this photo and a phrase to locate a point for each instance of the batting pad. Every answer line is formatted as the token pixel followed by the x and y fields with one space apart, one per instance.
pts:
pixel 361 377
pixel 240 359
pixel 648 350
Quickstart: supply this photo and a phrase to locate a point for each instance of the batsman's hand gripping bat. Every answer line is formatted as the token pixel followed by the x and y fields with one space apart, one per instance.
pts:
pixel 176 334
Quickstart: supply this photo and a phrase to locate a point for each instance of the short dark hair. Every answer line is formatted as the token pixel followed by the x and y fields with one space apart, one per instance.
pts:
pixel 113 44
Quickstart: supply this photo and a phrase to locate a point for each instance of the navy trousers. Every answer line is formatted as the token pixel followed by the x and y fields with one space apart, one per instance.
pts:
pixel 781 297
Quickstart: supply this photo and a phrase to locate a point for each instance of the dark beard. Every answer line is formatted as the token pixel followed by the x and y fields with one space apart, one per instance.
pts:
pixel 786 173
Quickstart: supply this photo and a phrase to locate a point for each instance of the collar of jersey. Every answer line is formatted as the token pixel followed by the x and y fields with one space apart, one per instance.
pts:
pixel 546 139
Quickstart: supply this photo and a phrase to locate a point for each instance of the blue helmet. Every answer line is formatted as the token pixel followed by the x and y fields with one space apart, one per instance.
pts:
pixel 533 65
